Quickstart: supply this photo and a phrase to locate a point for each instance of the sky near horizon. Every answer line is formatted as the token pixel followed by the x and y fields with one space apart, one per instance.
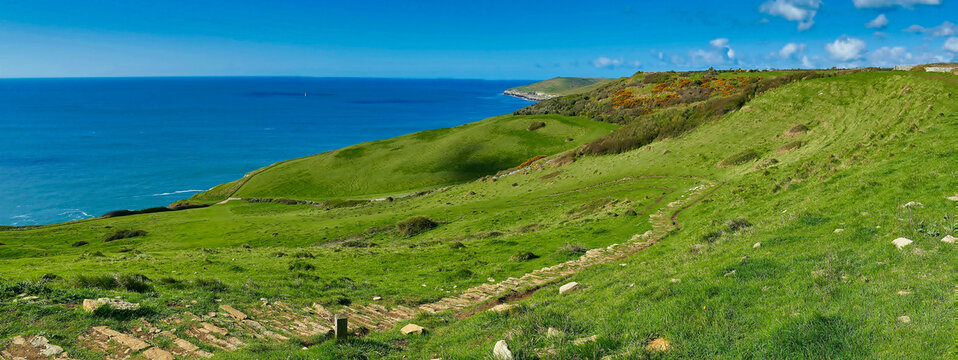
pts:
pixel 479 39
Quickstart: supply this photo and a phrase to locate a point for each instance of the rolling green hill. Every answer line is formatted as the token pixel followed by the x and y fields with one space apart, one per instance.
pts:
pixel 764 230
pixel 413 162
pixel 558 86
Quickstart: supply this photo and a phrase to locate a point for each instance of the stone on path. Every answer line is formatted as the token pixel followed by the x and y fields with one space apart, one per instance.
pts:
pixel 948 239
pixel 572 286
pixel 501 351
pixel 238 315
pixel 502 308
pixel 412 329
pixel 904 318
pixel 154 353
pixel 913 204
pixel 659 344
pixel 90 305
pixel 34 347
pixel 901 242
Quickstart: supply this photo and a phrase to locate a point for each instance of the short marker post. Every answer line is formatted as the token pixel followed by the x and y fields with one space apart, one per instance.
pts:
pixel 342 326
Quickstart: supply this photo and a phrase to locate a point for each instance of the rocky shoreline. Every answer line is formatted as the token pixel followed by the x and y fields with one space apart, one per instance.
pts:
pixel 529 95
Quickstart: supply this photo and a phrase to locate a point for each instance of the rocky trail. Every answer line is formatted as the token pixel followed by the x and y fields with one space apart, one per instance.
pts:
pixel 195 336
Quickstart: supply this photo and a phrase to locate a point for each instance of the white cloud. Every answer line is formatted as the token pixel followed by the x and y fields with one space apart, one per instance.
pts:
pixel 878 23
pixel 603 62
pixel 846 48
pixel 945 29
pixel 951 45
pixel 807 63
pixel 889 56
pixel 908 4
pixel 791 49
pixel 719 43
pixel 801 11
pixel 706 57
pixel 730 53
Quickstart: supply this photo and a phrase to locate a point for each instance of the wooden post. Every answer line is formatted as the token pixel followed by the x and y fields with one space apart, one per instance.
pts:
pixel 342 326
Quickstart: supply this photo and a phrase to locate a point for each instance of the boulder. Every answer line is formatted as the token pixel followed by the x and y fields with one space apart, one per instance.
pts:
pixel 948 239
pixel 502 308
pixel 569 287
pixel 501 351
pixel 901 242
pixel 757 245
pixel 33 347
pixel 155 353
pixel 412 329
pixel 659 344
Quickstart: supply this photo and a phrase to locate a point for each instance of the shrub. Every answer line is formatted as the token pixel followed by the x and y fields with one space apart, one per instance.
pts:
pixel 128 282
pixel 457 245
pixel 571 250
pixel 122 234
pixel 414 225
pixel 536 125
pixel 739 158
pixel 738 224
pixel 79 243
pixel 301 265
pixel 523 255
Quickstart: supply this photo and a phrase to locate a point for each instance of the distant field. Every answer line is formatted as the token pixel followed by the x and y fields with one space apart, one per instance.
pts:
pixel 562 86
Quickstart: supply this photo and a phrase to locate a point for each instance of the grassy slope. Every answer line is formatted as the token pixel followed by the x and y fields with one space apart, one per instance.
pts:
pixel 562 86
pixel 807 292
pixel 416 161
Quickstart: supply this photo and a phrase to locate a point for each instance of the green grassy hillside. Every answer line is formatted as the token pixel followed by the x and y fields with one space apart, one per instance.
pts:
pixel 768 234
pixel 561 86
pixel 414 162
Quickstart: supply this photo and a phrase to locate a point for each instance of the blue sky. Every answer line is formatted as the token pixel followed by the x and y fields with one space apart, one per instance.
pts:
pixel 475 39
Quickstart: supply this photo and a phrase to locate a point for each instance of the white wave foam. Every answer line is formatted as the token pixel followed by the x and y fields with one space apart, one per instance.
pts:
pixel 177 192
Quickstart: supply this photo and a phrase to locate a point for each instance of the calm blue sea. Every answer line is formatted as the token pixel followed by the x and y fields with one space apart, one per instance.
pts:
pixel 77 148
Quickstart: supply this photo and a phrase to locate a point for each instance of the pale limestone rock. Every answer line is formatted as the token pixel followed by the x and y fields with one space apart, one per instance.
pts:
pixel 502 308
pixel 569 287
pixel 238 315
pixel 901 242
pixel 659 344
pixel 948 239
pixel 412 329
pixel 501 351
pixel 155 353
pixel 904 319
pixel 586 339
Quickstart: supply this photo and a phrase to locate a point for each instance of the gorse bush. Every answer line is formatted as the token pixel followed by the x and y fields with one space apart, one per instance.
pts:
pixel 414 225
pixel 122 234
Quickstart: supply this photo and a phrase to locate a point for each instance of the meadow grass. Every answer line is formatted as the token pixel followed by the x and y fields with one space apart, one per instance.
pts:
pixel 755 270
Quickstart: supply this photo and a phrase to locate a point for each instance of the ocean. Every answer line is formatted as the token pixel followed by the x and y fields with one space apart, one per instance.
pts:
pixel 77 148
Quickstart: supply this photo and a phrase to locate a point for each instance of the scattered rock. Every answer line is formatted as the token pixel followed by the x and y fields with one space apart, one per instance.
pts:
pixel 659 344
pixel 904 319
pixel 552 332
pixel 584 340
pixel 746 108
pixel 901 242
pixel 501 351
pixel 238 315
pixel 730 273
pixel 377 298
pixel 953 198
pixel 903 292
pixel 757 245
pixel 676 280
pixel 412 329
pixel 34 347
pixel 838 230
pixel 491 280
pixel 666 151
pixel 796 130
pixel 155 353
pixel 948 239
pixel 90 305
pixel 502 308
pixel 570 287
pixel 913 204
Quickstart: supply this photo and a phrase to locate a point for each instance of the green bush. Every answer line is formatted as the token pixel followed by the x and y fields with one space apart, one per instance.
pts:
pixel 523 255
pixel 301 265
pixel 739 158
pixel 122 234
pixel 415 225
